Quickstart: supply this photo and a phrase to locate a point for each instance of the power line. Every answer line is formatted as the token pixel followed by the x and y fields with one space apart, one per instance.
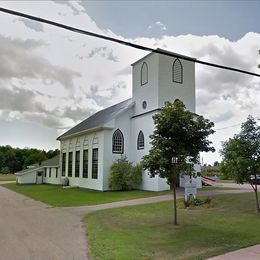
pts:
pixel 133 45
pixel 226 127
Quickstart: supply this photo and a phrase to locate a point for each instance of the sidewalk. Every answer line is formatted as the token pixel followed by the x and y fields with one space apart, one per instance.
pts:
pixel 6 182
pixel 83 210
pixel 249 253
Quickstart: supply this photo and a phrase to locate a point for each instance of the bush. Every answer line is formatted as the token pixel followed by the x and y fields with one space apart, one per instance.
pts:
pixel 5 170
pixel 125 176
pixel 196 201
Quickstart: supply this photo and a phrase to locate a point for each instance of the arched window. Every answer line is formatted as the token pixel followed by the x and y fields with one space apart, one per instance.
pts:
pixel 177 71
pixel 118 142
pixel 144 74
pixel 140 141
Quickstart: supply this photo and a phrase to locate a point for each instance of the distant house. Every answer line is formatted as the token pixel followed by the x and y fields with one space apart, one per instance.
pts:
pixel 89 149
pixel 47 172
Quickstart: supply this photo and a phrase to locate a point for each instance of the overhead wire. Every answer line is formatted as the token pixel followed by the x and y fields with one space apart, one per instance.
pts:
pixel 129 44
pixel 226 127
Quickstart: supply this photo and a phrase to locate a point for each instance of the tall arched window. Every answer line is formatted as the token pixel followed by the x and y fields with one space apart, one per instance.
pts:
pixel 118 142
pixel 144 74
pixel 177 71
pixel 140 141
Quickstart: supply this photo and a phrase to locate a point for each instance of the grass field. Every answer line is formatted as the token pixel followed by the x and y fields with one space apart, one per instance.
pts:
pixel 147 231
pixel 7 177
pixel 57 196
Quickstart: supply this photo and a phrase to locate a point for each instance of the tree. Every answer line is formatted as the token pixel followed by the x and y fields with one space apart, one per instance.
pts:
pixel 216 164
pixel 241 156
pixel 178 138
pixel 125 176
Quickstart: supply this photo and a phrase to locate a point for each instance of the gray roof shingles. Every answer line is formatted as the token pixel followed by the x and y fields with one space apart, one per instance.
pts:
pixel 98 119
pixel 54 161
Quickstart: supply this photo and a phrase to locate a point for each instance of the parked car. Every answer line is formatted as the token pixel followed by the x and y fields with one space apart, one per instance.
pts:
pixel 255 179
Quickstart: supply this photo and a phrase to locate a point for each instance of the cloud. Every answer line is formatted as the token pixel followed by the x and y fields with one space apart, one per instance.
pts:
pixel 19 61
pixel 157 25
pixel 103 52
pixel 38 27
pixel 21 100
pixel 57 78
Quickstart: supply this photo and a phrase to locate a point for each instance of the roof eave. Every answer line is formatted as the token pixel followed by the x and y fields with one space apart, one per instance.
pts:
pixel 94 129
pixel 165 52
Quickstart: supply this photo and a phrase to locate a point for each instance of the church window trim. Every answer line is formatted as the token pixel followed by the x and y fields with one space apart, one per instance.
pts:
pixel 144 74
pixel 177 71
pixel 140 141
pixel 118 142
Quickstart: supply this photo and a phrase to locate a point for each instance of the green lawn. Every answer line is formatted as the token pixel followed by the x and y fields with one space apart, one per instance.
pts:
pixel 57 196
pixel 7 177
pixel 147 232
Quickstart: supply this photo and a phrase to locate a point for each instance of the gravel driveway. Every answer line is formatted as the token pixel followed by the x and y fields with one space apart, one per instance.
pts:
pixel 30 229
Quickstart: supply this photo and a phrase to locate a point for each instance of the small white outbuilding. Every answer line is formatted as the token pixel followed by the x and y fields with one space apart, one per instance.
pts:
pixel 46 172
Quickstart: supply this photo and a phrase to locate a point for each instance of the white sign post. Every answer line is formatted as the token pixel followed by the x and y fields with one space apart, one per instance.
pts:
pixel 190 190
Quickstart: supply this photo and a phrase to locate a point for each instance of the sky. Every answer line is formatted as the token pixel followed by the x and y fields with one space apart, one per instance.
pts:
pixel 52 79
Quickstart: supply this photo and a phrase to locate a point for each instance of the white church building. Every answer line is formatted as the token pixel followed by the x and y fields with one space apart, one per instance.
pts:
pixel 89 149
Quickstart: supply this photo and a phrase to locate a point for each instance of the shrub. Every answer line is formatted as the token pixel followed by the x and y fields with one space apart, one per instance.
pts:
pixel 208 200
pixel 125 176
pixel 196 202
pixel 5 170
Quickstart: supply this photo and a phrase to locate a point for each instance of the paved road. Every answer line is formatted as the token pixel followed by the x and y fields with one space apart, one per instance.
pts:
pixel 31 230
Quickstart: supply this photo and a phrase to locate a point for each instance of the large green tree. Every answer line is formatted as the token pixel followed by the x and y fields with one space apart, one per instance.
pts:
pixel 241 156
pixel 178 138
pixel 15 159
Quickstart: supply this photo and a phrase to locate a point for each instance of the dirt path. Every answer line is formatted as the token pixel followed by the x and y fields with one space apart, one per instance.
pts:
pixel 31 230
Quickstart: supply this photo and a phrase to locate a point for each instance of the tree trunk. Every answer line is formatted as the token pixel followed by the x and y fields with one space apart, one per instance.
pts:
pixel 257 201
pixel 254 186
pixel 174 203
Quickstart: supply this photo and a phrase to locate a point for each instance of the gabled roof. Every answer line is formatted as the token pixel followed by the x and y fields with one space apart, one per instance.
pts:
pixel 98 119
pixel 54 161
pixel 170 53
pixel 22 172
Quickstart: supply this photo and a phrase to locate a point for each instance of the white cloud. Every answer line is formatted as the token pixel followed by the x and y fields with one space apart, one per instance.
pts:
pixel 159 25
pixel 63 77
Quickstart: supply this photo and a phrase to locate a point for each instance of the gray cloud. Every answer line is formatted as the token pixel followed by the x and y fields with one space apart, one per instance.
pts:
pixel 159 25
pixel 99 99
pixel 103 52
pixel 45 119
pixel 77 114
pixel 36 26
pixel 126 71
pixel 17 61
pixel 216 84
pixel 223 116
pixel 21 100
pixel 105 97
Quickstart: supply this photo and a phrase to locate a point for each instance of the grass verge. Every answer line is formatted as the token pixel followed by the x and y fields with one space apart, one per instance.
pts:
pixel 147 231
pixel 57 196
pixel 7 177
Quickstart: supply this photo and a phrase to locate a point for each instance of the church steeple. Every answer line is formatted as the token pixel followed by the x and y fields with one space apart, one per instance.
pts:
pixel 158 78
